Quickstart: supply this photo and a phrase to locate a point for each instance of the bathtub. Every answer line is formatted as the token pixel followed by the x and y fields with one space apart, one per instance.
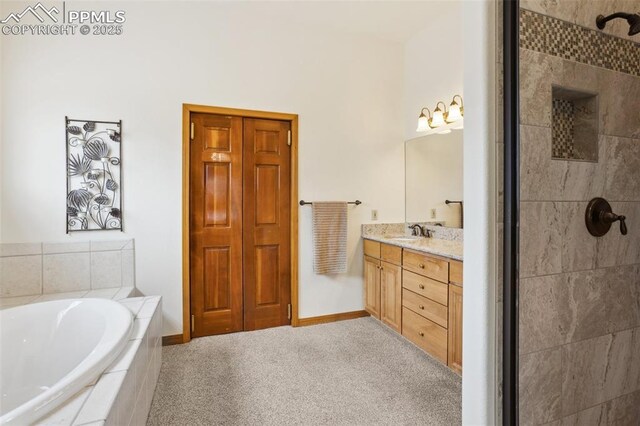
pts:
pixel 49 351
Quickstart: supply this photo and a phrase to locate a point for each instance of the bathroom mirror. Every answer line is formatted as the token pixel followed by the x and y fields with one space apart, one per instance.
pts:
pixel 433 174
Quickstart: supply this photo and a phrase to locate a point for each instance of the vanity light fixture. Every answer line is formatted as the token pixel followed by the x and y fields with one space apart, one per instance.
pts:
pixel 441 116
pixel 424 122
pixel 456 111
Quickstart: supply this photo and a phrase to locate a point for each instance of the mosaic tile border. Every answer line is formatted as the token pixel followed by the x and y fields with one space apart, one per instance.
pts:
pixel 552 36
pixel 563 143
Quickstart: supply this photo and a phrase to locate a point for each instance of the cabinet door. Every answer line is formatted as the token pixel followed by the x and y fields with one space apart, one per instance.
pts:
pixel 455 328
pixel 391 295
pixel 372 286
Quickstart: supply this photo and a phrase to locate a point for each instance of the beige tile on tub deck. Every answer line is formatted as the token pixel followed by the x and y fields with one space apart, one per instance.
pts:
pixel 128 268
pixel 106 269
pixel 540 239
pixel 101 398
pixel 600 369
pixel 20 276
pixel 67 247
pixel 66 272
pixel 109 245
pixel 20 249
pixel 540 387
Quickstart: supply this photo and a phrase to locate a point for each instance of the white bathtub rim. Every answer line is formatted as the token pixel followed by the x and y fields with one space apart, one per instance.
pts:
pixel 78 378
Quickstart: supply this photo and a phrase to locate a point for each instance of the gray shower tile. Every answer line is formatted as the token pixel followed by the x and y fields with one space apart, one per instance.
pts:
pixel 540 239
pixel 542 323
pixel 619 103
pixel 624 410
pixel 541 178
pixel 599 369
pixel 585 314
pixel 617 249
pixel 578 246
pixel 537 72
pixel 540 387
pixel 622 297
pixel 622 181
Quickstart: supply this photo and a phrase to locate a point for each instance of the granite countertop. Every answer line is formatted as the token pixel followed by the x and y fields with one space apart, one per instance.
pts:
pixel 436 246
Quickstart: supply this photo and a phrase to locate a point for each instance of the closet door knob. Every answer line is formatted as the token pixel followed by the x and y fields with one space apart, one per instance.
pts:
pixel 421 266
pixel 421 286
pixel 422 307
pixel 421 334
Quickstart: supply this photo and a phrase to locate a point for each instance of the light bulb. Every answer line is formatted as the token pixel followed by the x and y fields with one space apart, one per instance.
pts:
pixel 423 123
pixel 454 112
pixel 438 118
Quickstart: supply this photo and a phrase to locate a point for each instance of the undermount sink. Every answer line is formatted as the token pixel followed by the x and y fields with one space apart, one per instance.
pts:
pixel 405 238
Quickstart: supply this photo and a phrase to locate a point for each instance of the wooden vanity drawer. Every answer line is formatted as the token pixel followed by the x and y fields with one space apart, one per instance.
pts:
pixel 425 307
pixel 428 266
pixel 391 254
pixel 426 334
pixel 372 248
pixel 426 287
pixel 455 272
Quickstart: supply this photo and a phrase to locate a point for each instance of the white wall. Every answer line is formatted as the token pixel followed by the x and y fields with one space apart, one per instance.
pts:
pixel 347 90
pixel 433 64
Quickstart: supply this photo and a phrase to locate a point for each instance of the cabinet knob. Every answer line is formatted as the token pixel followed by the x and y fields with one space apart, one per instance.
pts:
pixel 422 307
pixel 421 266
pixel 421 286
pixel 421 334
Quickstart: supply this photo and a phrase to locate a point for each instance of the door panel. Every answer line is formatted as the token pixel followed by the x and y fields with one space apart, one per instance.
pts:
pixel 216 224
pixel 391 295
pixel 372 286
pixel 267 204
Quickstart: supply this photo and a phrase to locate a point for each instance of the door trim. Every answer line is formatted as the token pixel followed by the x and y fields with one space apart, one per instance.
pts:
pixel 187 109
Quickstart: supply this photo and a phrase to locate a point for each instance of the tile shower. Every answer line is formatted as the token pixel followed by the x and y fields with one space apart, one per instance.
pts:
pixel 579 320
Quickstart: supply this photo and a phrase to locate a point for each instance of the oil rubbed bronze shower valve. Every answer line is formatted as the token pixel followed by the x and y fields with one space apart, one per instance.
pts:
pixel 599 218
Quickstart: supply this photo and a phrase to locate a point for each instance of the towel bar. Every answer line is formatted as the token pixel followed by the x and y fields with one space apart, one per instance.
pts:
pixel 356 202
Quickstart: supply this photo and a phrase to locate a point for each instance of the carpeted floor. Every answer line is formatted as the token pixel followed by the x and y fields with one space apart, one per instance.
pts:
pixel 353 372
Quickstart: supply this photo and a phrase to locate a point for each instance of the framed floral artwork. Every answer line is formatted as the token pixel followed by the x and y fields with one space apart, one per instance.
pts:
pixel 94 175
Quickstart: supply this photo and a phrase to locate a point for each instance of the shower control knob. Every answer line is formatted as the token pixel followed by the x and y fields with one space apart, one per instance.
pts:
pixel 599 218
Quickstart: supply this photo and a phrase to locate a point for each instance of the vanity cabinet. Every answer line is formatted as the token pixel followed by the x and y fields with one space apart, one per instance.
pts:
pixel 383 283
pixel 417 295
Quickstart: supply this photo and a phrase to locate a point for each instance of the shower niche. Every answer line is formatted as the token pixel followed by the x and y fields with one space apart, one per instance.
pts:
pixel 574 116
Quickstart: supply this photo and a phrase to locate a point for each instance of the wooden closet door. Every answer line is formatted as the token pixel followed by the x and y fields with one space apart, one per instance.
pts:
pixel 267 206
pixel 216 224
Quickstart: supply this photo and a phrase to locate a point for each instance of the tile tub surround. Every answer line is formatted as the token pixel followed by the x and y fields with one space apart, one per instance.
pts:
pixel 116 293
pixel 122 395
pixel 579 325
pixel 28 269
